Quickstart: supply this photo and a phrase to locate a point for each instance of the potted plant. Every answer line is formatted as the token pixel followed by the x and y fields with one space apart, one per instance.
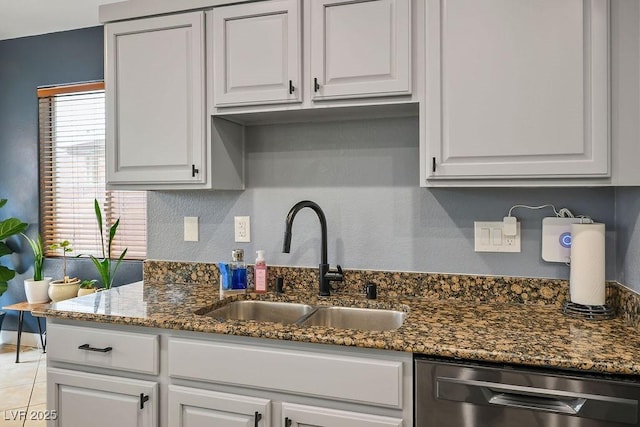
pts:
pixel 36 288
pixel 8 227
pixel 67 287
pixel 87 287
pixel 106 269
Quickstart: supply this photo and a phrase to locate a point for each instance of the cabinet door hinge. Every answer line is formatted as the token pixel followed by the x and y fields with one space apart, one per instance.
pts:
pixel 143 398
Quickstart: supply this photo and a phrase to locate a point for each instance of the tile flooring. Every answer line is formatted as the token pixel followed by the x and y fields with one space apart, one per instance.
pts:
pixel 22 386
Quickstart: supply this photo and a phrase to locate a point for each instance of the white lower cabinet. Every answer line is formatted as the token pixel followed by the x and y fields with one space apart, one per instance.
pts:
pixel 244 382
pixel 191 407
pixel 102 375
pixel 307 416
pixel 85 399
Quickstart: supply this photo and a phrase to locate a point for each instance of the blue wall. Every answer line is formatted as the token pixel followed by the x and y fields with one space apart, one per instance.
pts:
pixel 25 64
pixel 628 232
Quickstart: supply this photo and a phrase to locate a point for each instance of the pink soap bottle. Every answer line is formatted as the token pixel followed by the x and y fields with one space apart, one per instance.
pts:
pixel 260 273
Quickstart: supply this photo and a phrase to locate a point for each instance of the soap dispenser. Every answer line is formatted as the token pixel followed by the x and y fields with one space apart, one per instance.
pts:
pixel 238 270
pixel 260 273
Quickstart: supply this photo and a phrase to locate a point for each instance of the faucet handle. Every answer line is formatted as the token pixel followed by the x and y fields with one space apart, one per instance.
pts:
pixel 335 275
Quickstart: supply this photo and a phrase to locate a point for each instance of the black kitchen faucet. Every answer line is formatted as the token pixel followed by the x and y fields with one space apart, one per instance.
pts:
pixel 326 274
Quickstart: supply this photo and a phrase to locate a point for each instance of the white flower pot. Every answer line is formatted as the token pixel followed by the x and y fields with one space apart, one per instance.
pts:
pixel 37 290
pixel 59 290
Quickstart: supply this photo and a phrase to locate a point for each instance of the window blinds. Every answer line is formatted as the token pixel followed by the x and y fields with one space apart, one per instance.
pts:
pixel 72 175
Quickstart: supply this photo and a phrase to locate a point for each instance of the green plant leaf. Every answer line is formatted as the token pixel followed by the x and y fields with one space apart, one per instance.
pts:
pixel 11 226
pixel 104 270
pixel 3 202
pixel 6 274
pixel 112 234
pixel 96 207
pixel 38 255
pixel 4 249
pixel 115 268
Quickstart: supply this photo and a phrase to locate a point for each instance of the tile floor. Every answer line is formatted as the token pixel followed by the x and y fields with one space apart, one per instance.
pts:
pixel 22 386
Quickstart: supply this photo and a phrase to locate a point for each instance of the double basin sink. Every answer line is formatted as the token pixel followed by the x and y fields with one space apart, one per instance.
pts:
pixel 366 319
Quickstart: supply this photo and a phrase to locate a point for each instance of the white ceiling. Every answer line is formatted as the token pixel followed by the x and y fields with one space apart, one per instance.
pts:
pixel 20 18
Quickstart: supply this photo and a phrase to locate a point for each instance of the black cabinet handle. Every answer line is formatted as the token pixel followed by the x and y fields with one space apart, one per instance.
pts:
pixel 291 87
pixel 194 171
pixel 287 422
pixel 99 350
pixel 143 398
pixel 257 417
pixel 316 86
pixel 433 164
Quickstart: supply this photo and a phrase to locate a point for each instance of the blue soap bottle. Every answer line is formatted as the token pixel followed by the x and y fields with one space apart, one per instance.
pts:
pixel 238 270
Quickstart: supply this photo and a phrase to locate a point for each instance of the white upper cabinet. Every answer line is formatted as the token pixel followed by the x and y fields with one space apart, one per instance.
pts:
pixel 156 100
pixel 360 48
pixel 256 53
pixel 517 89
pixel 271 53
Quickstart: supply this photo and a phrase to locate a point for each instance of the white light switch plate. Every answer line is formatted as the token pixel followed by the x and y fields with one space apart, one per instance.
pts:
pixel 556 238
pixel 489 237
pixel 190 228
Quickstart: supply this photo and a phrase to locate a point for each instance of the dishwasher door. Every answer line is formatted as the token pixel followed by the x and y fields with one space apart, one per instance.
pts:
pixel 450 394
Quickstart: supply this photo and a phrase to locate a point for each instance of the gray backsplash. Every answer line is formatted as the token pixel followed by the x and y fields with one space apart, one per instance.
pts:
pixel 365 176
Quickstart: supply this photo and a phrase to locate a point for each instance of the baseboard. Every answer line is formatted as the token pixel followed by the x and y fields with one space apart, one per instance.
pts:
pixel 28 339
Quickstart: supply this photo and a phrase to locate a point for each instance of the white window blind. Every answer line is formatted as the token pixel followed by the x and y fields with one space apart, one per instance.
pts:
pixel 72 175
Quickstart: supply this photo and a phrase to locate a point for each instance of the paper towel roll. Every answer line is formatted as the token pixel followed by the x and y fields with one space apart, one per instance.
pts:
pixel 587 280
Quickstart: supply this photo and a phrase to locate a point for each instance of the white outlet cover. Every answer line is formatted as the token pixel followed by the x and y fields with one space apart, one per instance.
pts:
pixel 556 238
pixel 489 237
pixel 242 229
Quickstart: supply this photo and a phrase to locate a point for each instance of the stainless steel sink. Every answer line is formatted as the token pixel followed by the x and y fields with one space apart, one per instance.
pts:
pixel 367 319
pixel 262 311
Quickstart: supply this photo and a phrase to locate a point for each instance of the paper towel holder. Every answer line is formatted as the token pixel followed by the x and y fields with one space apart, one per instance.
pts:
pixel 588 312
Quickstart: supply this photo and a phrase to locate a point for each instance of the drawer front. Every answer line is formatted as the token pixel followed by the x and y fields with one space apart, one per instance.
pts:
pixel 124 351
pixel 345 378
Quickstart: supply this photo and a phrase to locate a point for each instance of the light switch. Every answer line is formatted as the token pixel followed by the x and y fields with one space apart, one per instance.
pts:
pixel 489 236
pixel 496 236
pixel 484 236
pixel 190 228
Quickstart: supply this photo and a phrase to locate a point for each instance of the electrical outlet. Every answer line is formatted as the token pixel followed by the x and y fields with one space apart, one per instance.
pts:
pixel 490 237
pixel 242 229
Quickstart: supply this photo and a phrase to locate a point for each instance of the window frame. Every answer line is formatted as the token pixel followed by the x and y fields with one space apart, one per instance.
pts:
pixel 107 200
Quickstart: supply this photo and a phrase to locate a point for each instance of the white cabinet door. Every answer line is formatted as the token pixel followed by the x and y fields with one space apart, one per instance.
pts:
pixel 155 88
pixel 360 48
pixel 294 415
pixel 256 53
pixel 83 399
pixel 517 88
pixel 190 407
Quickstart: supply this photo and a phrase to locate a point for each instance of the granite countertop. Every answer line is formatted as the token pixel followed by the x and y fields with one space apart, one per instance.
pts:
pixel 528 334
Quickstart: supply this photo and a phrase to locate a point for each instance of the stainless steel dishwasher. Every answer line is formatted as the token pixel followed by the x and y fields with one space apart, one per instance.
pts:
pixel 451 394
